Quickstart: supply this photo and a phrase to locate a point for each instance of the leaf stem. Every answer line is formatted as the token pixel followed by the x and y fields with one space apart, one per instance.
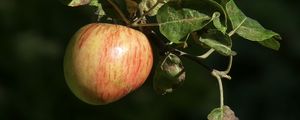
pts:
pixel 119 12
pixel 235 29
pixel 229 65
pixel 223 10
pixel 208 53
pixel 221 92
pixel 191 57
pixel 219 75
pixel 215 73
pixel 163 62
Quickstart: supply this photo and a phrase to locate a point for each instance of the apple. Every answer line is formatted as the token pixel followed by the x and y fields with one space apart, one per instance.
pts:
pixel 104 62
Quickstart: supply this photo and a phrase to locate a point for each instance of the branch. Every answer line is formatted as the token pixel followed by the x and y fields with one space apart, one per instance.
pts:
pixel 119 12
pixel 144 14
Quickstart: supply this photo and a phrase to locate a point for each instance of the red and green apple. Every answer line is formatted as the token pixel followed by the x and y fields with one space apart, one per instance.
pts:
pixel 104 62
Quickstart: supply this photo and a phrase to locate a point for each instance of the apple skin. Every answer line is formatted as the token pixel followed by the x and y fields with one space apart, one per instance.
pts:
pixel 104 62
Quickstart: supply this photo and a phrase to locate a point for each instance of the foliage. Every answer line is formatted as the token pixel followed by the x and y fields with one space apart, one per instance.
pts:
pixel 210 23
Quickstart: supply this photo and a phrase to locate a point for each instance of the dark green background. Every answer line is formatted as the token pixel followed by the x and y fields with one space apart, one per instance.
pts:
pixel 34 34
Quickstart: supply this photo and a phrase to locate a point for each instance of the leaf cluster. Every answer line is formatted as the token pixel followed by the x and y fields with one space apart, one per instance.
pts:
pixel 209 23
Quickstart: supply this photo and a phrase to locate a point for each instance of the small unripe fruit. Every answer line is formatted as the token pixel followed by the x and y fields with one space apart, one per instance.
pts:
pixel 104 62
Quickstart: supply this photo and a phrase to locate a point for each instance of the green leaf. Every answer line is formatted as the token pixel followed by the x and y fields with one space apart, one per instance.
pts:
pixel 75 3
pixel 100 12
pixel 169 75
pixel 94 3
pixel 217 23
pixel 270 43
pixel 218 114
pixel 207 7
pixel 218 41
pixel 248 28
pixel 176 24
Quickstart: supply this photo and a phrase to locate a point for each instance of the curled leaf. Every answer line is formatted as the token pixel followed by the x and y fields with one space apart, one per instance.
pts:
pixel 169 75
pixel 270 43
pixel 217 22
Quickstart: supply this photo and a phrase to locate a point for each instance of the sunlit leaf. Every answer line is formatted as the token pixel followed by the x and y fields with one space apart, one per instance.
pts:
pixel 248 28
pixel 75 3
pixel 100 12
pixel 175 24
pixel 218 41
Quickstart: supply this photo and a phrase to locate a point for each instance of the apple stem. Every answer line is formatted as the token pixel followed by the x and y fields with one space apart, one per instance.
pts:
pixel 119 12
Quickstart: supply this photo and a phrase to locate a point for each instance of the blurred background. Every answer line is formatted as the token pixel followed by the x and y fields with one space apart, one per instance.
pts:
pixel 34 34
